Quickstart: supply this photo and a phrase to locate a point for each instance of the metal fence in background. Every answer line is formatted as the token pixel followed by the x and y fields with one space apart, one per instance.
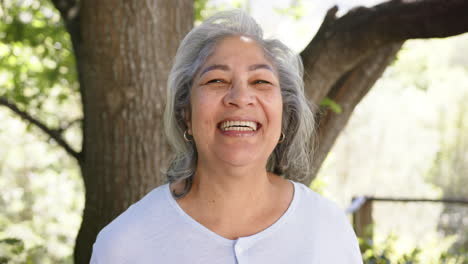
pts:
pixel 362 206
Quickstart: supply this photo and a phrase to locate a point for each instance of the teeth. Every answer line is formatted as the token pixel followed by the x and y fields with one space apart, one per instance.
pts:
pixel 239 126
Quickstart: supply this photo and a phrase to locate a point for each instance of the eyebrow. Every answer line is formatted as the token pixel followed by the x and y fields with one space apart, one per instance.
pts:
pixel 226 68
pixel 214 67
pixel 260 66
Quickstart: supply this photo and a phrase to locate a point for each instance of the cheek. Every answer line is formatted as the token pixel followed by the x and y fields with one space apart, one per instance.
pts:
pixel 274 106
pixel 279 115
pixel 203 110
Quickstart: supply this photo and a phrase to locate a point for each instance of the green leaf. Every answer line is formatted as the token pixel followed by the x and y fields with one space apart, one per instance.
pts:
pixel 16 245
pixel 11 241
pixel 334 106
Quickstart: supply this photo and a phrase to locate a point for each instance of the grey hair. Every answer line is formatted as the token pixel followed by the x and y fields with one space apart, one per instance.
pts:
pixel 292 158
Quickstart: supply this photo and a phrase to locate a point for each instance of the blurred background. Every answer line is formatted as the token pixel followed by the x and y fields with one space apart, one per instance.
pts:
pixel 408 138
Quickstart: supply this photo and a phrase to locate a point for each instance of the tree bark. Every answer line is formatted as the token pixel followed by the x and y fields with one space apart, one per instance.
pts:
pixel 125 50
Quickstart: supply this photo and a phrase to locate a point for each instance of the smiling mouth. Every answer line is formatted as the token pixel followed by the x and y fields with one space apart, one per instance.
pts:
pixel 239 126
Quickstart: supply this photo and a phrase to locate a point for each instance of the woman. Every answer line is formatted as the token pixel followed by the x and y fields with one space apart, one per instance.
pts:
pixel 240 126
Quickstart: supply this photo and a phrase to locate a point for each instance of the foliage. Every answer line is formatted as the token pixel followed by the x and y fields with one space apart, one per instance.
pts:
pixel 200 6
pixel 37 66
pixel 41 199
pixel 206 8
pixel 13 251
pixel 450 169
pixel 329 103
pixel 10 247
pixel 385 253
pixel 296 10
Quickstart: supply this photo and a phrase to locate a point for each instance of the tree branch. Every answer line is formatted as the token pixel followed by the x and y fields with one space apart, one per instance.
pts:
pixel 66 126
pixel 54 134
pixel 398 20
pixel 348 54
pixel 69 9
pixel 342 43
pixel 70 12
pixel 348 92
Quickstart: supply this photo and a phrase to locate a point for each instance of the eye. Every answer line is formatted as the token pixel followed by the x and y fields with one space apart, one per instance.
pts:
pixel 261 82
pixel 216 81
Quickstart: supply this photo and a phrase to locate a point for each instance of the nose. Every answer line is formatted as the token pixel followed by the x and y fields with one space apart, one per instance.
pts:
pixel 240 95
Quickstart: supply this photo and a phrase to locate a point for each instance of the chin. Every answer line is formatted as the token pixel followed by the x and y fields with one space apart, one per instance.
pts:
pixel 240 159
pixel 238 163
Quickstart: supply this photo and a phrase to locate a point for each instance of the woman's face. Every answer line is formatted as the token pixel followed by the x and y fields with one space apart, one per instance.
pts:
pixel 236 105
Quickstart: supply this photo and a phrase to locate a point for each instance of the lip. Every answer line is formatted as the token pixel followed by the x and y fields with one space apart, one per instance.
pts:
pixel 235 118
pixel 239 133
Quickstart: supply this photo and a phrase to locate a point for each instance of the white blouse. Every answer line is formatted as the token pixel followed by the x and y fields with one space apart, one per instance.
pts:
pixel 157 230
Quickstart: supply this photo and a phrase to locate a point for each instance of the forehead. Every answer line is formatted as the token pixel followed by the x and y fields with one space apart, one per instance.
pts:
pixel 238 48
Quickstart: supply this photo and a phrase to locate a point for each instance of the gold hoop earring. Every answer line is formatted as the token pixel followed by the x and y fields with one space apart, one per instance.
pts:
pixel 282 137
pixel 186 136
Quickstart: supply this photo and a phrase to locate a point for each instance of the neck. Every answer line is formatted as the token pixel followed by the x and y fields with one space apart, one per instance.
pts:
pixel 230 183
pixel 235 201
pixel 232 190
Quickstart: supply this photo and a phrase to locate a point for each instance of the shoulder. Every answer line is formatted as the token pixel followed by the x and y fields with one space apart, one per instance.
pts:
pixel 132 225
pixel 320 210
pixel 331 226
pixel 317 204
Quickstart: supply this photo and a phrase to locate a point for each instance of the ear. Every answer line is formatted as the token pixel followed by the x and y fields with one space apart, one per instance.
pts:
pixel 188 121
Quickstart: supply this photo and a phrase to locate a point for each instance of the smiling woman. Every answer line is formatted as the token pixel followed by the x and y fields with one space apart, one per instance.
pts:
pixel 241 129
pixel 236 87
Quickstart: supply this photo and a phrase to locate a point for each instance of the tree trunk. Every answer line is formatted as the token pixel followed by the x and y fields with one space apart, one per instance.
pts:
pixel 125 50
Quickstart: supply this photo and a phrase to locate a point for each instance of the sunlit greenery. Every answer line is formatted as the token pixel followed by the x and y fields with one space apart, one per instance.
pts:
pixel 408 138
pixel 41 199
pixel 36 60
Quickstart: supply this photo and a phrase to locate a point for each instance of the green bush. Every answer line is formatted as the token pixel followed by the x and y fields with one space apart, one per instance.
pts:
pixel 384 253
